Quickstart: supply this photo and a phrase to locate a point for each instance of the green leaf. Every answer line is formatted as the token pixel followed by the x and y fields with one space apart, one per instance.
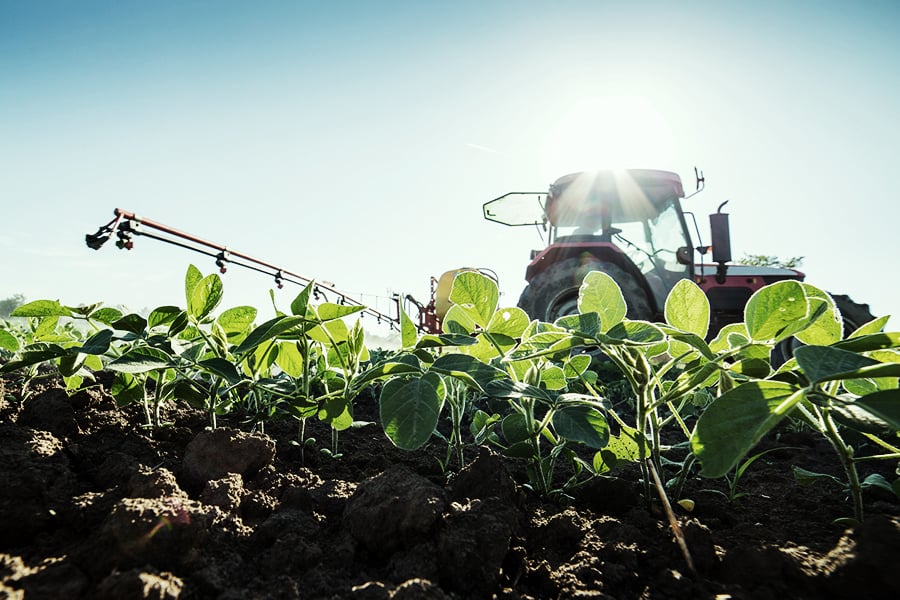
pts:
pixel 600 293
pixel 46 329
pixel 236 322
pixel 336 413
pixel 467 368
pixel 133 323
pixel 162 315
pixel 821 363
pixel 408 333
pixel 409 412
pixel 33 354
pixel 873 326
pixel 8 341
pixel 735 422
pixel 553 378
pixel 583 424
pixel 106 315
pixel 42 308
pixel 506 388
pixel 775 310
pixel 877 480
pixel 587 324
pixel 222 368
pixel 686 342
pixel 515 430
pixel 444 340
pixel 687 308
pixel 637 332
pixel 329 333
pixel 804 477
pixel 884 404
pixel 328 311
pixel 301 302
pixel 290 359
pixel 126 388
pixel 828 327
pixel 870 342
pixel 70 364
pixel 482 426
pixel 729 337
pixel 97 343
pixel 191 278
pixel 700 376
pixel 576 365
pixel 141 360
pixel 476 294
pixel 402 365
pixel 458 321
pixel 205 297
pixel 271 329
pixel 627 445
pixel 856 417
pixel 510 322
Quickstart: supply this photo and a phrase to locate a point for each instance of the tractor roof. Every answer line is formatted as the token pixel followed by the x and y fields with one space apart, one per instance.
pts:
pixel 612 196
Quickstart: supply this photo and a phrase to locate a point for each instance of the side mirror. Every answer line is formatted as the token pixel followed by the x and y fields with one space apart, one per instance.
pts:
pixel 721 236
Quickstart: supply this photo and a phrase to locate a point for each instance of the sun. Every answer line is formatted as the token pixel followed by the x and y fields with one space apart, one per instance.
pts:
pixel 607 132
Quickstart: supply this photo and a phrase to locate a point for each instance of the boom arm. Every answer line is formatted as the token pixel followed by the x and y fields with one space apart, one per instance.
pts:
pixel 126 225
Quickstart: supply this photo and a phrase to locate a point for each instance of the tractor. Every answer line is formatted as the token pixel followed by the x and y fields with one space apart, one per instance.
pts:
pixel 630 225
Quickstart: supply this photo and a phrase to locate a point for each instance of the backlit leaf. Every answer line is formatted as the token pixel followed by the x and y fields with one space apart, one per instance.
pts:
pixel 271 329
pixel 162 315
pixel 42 308
pixel 687 308
pixel 600 293
pixel 106 315
pixel 408 333
pixel 828 327
pixel 289 359
pixel 205 297
pixel 775 310
pixel 8 341
pixel 191 278
pixel 476 294
pixel 509 321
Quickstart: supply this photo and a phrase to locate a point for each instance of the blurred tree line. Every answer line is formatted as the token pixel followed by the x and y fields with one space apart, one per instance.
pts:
pixel 7 305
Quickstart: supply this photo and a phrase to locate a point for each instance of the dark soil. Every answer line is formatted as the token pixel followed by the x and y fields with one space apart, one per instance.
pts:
pixel 93 505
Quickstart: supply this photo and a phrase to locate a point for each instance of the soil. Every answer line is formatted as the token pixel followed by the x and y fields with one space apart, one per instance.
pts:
pixel 94 505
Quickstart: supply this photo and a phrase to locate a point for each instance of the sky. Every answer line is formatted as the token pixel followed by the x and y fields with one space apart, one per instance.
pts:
pixel 355 142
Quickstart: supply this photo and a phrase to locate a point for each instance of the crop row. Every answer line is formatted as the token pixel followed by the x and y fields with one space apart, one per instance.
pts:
pixel 529 389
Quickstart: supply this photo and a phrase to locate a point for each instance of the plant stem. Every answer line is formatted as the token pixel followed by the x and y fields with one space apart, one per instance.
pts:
pixel 670 515
pixel 845 455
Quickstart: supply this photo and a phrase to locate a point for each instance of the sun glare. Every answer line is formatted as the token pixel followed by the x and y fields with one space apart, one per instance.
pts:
pixel 607 132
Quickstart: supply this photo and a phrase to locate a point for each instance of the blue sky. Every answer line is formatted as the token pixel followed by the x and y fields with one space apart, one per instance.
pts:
pixel 355 142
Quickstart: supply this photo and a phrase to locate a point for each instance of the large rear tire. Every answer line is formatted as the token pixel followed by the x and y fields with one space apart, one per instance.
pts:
pixel 554 293
pixel 854 314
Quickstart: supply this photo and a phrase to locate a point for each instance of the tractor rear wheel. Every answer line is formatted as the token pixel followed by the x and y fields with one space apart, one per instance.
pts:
pixel 554 293
pixel 855 314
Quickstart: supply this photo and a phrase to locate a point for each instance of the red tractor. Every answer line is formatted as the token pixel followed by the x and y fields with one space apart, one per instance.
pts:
pixel 630 225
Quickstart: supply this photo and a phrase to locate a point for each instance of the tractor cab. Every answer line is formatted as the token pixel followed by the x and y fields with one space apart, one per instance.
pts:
pixel 627 223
